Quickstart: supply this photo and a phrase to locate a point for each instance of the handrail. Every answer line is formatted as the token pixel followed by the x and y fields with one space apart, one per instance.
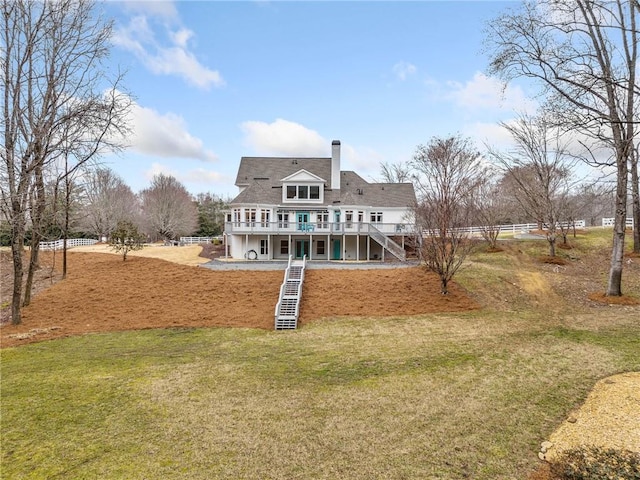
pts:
pixel 286 277
pixel 289 319
pixel 386 242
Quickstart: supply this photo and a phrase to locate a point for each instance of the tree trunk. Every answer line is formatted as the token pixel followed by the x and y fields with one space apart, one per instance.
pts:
pixel 443 285
pixel 635 202
pixel 36 233
pixel 65 233
pixel 614 284
pixel 17 249
pixel 551 238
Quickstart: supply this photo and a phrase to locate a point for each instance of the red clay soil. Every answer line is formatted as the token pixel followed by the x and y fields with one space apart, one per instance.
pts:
pixel 102 293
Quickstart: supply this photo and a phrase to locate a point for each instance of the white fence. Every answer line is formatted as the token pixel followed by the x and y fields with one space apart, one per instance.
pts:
pixel 609 222
pixel 197 240
pixel 521 227
pixel 71 242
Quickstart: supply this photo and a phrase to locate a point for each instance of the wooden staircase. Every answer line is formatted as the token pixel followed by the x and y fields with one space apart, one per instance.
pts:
pixel 388 244
pixel 288 306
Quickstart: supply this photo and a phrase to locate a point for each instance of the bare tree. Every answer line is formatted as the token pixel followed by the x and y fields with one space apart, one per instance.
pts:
pixel 595 200
pixel 396 172
pixel 107 202
pixel 53 101
pixel 540 167
pixel 489 208
pixel 168 208
pixel 584 55
pixel 447 172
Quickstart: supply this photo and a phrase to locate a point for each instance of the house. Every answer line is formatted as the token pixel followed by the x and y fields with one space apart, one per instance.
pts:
pixel 308 206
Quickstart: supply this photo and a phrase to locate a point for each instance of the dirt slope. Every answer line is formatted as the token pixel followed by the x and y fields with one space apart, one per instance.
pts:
pixel 103 293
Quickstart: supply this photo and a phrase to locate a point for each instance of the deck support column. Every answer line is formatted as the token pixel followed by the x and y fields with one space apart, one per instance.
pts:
pixel 368 247
pixel 358 247
pixel 328 247
pixel 344 247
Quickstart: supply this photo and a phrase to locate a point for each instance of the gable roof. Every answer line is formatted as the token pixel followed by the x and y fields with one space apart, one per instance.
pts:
pixel 261 180
pixel 302 176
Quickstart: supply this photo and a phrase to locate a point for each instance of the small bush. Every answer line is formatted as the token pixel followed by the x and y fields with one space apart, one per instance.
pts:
pixel 596 463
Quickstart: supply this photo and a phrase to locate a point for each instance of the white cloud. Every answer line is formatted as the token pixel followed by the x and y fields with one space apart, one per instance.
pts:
pixel 403 69
pixel 286 138
pixel 492 134
pixel 362 160
pixel 174 58
pixel 181 37
pixel 193 176
pixel 290 139
pixel 165 136
pixel 482 92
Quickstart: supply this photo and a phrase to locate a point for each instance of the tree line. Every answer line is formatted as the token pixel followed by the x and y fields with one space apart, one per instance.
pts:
pixel 99 199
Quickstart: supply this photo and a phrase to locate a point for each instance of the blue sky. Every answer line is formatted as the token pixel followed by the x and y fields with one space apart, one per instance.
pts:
pixel 214 81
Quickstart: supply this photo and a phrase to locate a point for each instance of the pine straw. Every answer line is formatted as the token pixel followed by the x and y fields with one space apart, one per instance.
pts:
pixel 103 293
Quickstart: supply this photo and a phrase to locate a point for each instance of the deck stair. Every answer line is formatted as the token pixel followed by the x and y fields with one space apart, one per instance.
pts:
pixel 387 243
pixel 288 307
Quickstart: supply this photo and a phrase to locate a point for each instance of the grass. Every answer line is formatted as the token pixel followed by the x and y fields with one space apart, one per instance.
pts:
pixel 436 397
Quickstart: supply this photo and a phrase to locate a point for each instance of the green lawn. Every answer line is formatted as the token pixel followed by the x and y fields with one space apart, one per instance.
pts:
pixel 425 397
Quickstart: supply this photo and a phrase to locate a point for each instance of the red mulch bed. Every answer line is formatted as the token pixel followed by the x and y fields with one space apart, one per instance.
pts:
pixel 102 293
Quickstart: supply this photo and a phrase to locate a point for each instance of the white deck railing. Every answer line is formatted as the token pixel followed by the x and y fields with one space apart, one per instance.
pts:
pixel 292 227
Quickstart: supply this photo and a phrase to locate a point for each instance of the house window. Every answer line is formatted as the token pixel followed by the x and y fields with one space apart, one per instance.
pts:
pixel 320 247
pixel 250 217
pixel 283 220
pixel 376 217
pixel 265 217
pixel 264 247
pixel 348 218
pixel 323 220
pixel 236 216
pixel 302 192
pixel 284 247
pixel 360 217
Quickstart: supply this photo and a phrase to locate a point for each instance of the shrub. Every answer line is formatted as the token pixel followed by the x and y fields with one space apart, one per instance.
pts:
pixel 596 463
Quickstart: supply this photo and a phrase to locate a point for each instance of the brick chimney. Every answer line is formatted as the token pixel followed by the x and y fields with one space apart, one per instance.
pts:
pixel 335 165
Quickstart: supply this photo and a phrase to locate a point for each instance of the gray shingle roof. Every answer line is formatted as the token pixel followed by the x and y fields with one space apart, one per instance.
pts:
pixel 260 177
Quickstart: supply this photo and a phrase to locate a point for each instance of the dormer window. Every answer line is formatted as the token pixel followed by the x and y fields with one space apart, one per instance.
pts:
pixel 303 186
pixel 303 192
